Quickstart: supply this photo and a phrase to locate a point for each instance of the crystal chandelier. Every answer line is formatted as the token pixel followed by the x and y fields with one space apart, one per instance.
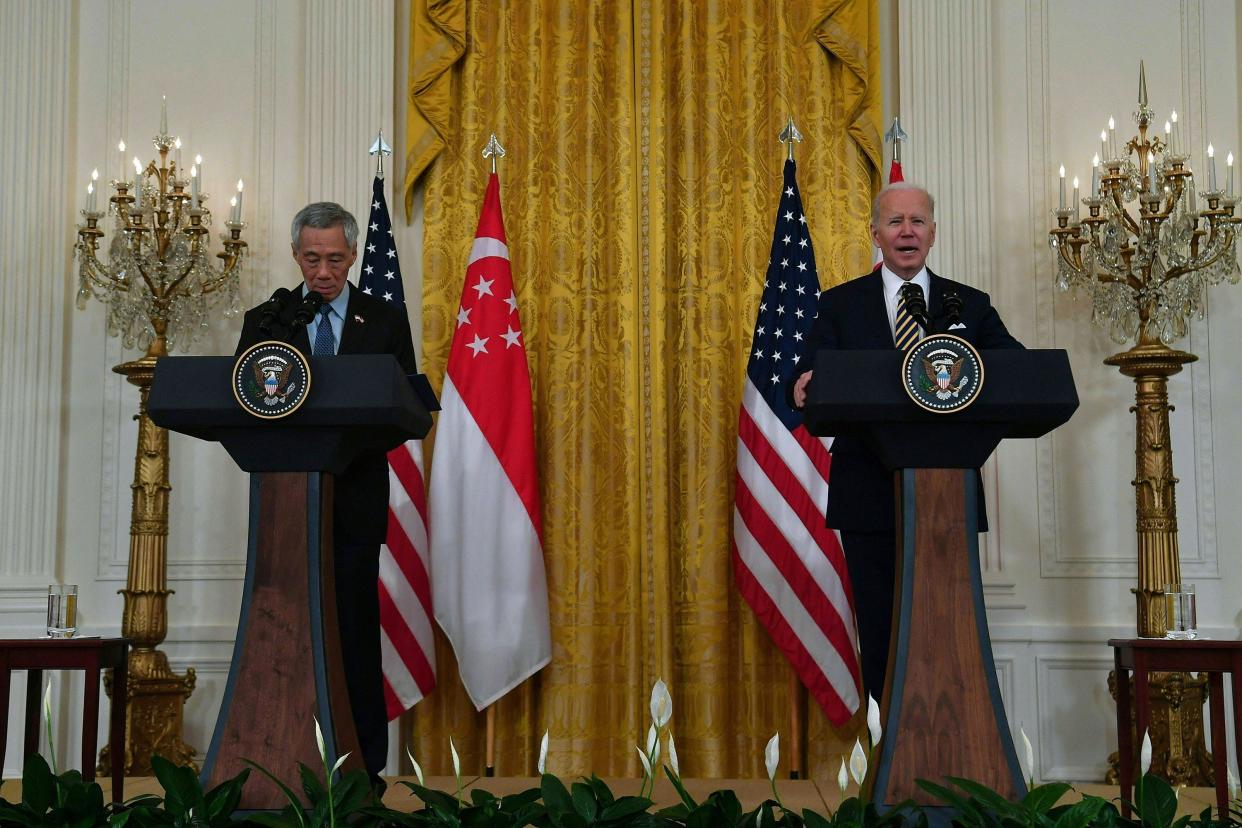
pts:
pixel 159 282
pixel 1144 253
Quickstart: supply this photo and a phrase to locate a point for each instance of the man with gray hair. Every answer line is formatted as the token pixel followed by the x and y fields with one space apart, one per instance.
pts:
pixel 324 239
pixel 871 312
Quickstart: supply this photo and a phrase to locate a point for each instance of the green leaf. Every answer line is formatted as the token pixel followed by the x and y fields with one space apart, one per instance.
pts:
pixel 285 789
pixel 1157 804
pixel 814 820
pixel 584 801
pixel 556 797
pixel 311 786
pixel 1041 798
pixel 624 807
pixel 681 789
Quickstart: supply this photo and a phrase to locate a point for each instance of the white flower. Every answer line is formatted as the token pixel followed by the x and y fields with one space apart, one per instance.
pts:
pixel 323 751
pixel 759 818
pixel 1030 753
pixel 542 764
pixel 418 770
pixel 661 704
pixel 1233 783
pixel 1145 755
pixel 873 721
pixel 772 755
pixel 672 756
pixel 456 758
pixel 858 763
pixel 643 758
pixel 336 767
pixel 651 740
pixel 843 779
pixel 47 704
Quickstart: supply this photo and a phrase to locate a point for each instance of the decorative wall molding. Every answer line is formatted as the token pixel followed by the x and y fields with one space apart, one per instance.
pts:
pixel 1082 763
pixel 37 201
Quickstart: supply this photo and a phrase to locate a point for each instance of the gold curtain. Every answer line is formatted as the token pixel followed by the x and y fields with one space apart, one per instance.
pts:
pixel 639 191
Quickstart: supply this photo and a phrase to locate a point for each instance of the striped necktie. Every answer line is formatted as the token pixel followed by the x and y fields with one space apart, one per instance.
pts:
pixel 325 341
pixel 905 329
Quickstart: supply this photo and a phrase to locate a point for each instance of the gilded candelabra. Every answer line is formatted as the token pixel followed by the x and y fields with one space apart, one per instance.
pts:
pixel 1147 268
pixel 160 285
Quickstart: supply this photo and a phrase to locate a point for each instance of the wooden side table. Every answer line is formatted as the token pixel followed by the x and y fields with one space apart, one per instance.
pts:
pixel 1146 655
pixel 34 655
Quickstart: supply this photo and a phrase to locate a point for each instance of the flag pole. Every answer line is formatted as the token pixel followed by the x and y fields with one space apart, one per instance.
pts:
pixel 797 692
pixel 379 149
pixel 494 151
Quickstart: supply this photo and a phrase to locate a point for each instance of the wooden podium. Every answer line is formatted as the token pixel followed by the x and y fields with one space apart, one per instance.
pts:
pixel 286 665
pixel 941 706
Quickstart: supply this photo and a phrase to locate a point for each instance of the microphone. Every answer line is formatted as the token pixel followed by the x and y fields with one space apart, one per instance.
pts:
pixel 271 309
pixel 307 310
pixel 952 309
pixel 916 305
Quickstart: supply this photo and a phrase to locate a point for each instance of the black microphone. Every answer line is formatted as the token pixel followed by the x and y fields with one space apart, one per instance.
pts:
pixel 271 309
pixel 307 310
pixel 916 305
pixel 952 309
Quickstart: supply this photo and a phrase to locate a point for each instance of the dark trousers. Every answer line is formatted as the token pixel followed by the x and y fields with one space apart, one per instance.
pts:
pixel 871 560
pixel 357 611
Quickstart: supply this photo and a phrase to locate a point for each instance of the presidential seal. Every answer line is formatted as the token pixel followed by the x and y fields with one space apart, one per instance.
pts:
pixel 271 379
pixel 942 373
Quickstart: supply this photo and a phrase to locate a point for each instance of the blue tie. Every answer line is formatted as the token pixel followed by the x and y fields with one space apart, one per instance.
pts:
pixel 325 342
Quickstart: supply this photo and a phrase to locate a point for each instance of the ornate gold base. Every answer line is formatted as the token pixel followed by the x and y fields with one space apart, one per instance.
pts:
pixel 154 715
pixel 1179 751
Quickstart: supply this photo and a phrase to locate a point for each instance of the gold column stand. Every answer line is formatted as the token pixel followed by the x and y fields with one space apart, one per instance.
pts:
pixel 157 696
pixel 1179 750
pixel 1179 753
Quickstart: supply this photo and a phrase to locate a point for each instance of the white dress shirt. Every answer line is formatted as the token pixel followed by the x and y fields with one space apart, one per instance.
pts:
pixel 892 294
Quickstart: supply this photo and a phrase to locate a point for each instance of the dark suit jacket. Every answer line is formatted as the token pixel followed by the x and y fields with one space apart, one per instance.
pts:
pixel 853 316
pixel 372 326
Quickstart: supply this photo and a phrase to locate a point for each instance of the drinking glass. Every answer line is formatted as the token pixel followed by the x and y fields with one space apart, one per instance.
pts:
pixel 1180 611
pixel 62 610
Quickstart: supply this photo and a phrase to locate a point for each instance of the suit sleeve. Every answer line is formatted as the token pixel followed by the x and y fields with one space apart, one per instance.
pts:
pixel 823 334
pixel 403 343
pixel 991 330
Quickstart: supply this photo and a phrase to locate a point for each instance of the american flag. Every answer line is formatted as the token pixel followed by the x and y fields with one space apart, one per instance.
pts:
pixel 406 641
pixel 788 565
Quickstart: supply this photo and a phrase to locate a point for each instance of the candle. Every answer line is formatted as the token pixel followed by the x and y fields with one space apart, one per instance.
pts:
pixel 1152 184
pixel 163 115
pixel 1075 198
pixel 1095 177
pixel 194 185
pixel 1229 175
pixel 1103 143
pixel 1192 201
pixel 121 149
pixel 1211 168
pixel 198 162
pixel 1168 137
pixel 233 211
pixel 237 209
pixel 177 146
pixel 1177 131
pixel 1112 137
pixel 90 197
pixel 1061 194
pixel 137 183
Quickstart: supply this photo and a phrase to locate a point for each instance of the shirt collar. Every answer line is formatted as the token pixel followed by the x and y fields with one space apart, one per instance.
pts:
pixel 341 303
pixel 893 282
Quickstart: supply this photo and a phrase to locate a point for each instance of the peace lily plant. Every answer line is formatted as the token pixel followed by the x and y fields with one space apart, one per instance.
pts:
pixel 52 799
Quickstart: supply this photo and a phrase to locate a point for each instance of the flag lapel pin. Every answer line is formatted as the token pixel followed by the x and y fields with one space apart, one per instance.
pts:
pixel 358 318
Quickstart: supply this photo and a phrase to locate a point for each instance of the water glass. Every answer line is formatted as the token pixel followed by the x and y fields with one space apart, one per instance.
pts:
pixel 1180 611
pixel 62 610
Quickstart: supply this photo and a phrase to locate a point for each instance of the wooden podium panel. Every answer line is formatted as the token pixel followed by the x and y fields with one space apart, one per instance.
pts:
pixel 942 707
pixel 286 660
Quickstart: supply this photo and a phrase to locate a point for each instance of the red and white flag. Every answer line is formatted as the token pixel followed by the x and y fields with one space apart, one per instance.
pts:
pixel 491 594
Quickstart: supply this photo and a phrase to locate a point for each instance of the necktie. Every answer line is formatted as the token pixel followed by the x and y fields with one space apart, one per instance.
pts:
pixel 325 342
pixel 905 329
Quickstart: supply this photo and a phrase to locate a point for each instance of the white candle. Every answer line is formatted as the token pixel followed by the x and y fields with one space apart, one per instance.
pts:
pixel 1229 175
pixel 177 146
pixel 1103 143
pixel 1095 177
pixel 1211 168
pixel 163 115
pixel 1168 137
pixel 237 209
pixel 1192 201
pixel 137 183
pixel 198 162
pixel 1112 137
pixel 233 210
pixel 1061 194
pixel 120 146
pixel 1075 198
pixel 90 197
pixel 1152 183
pixel 1177 132
pixel 194 185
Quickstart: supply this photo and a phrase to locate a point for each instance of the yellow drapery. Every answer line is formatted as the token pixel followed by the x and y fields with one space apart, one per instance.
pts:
pixel 639 191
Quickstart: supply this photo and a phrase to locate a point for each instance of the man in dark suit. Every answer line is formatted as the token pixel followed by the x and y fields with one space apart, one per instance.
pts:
pixel 325 244
pixel 863 314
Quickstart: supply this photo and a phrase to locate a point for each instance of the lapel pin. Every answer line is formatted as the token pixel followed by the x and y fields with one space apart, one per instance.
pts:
pixel 359 319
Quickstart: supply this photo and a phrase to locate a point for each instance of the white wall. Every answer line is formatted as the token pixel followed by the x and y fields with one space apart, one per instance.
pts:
pixel 288 94
pixel 995 95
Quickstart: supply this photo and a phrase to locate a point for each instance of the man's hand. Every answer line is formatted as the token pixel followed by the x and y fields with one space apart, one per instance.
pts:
pixel 799 394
